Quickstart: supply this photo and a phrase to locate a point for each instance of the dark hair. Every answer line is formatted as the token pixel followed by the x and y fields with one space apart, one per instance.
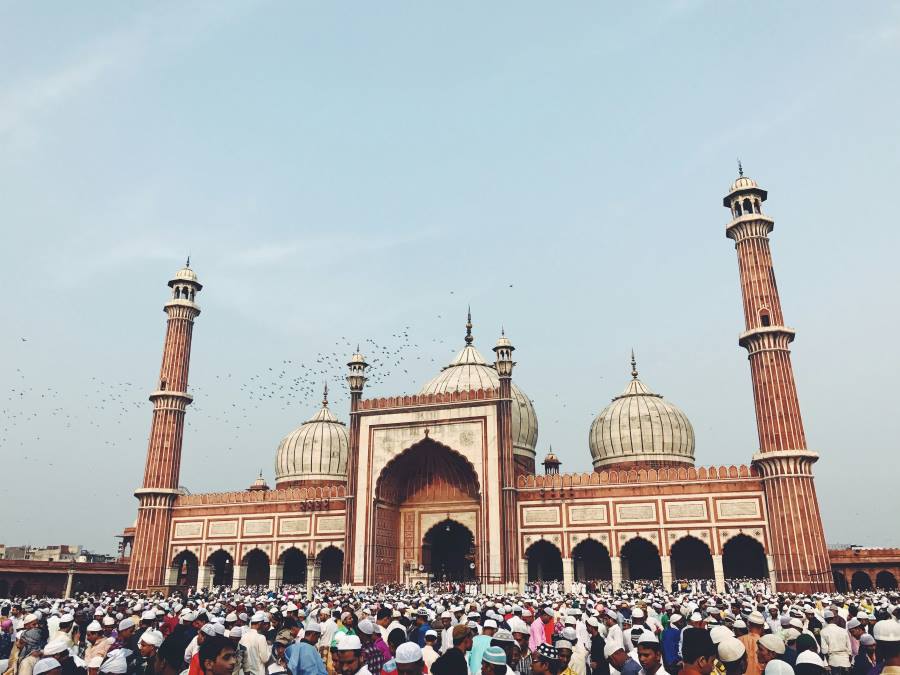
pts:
pixel 396 637
pixel 650 645
pixel 212 647
pixel 695 643
pixel 290 622
pixel 383 613
pixel 498 670
pixel 887 650
pixel 172 652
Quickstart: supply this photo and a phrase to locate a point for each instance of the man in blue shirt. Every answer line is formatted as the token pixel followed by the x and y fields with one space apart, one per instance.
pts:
pixel 303 657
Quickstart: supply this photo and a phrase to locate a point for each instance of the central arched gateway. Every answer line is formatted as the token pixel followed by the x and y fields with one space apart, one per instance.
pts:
pixel 420 493
pixel 448 552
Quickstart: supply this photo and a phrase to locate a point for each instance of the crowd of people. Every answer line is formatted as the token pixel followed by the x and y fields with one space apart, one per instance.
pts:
pixel 637 629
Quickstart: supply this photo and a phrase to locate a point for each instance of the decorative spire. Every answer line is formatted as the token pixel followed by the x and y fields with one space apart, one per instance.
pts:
pixel 634 372
pixel 188 263
pixel 469 338
pixel 740 168
pixel 325 396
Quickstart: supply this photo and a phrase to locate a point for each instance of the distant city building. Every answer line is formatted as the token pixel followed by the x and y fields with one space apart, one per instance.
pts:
pixel 442 484
pixel 58 553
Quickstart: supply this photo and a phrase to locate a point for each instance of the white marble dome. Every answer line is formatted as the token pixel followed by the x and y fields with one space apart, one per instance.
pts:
pixel 467 371
pixel 641 427
pixel 314 452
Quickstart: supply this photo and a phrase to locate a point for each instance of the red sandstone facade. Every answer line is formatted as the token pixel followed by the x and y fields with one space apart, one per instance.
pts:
pixel 435 485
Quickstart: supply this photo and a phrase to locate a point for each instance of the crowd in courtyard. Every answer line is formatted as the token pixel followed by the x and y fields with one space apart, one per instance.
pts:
pixel 640 628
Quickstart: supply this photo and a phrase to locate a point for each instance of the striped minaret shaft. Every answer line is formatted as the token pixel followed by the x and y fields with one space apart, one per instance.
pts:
pixel 797 540
pixel 356 380
pixel 149 558
pixel 509 562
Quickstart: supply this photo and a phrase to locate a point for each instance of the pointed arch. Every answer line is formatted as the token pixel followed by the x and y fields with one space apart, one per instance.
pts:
pixel 691 559
pixel 331 561
pixel 544 561
pixel 640 559
pixel 448 551
pixel 885 580
pixel 592 561
pixel 257 564
pixel 222 566
pixel 428 470
pixel 187 568
pixel 861 581
pixel 293 562
pixel 744 556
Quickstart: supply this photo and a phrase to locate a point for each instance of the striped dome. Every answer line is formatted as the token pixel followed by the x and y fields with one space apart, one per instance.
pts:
pixel 314 452
pixel 640 427
pixel 467 371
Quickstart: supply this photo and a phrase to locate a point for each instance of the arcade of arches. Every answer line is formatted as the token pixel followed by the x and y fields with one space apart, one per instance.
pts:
pixel 639 559
pixel 424 480
pixel 255 569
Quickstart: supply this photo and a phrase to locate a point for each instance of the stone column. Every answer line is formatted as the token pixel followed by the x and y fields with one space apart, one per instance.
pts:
pixel 770 561
pixel 240 576
pixel 275 576
pixel 568 574
pixel 310 575
pixel 171 576
pixel 523 574
pixel 616 563
pixel 70 578
pixel 665 562
pixel 719 573
pixel 204 576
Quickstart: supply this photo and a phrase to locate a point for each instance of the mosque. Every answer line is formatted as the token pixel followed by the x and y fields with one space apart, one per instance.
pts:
pixel 442 484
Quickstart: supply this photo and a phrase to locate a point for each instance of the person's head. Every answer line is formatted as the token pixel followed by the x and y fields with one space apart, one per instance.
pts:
pixel 150 642
pixel 855 628
pixel 504 640
pixel 615 655
pixel 462 637
pixel 312 633
pixel 547 615
pixel 564 649
pixel 733 655
pixel 490 627
pixel 409 659
pixel 396 638
pixel 546 661
pixel 867 644
pixel 383 617
pixel 349 655
pixel 755 623
pixel 430 638
pixel 126 629
pixel 94 632
pixel 493 662
pixel 887 641
pixel 768 648
pixel 169 658
pixel 649 653
pixel 47 666
pixel 216 656
pixel 698 650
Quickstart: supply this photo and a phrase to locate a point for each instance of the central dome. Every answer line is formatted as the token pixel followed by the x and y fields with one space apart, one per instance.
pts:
pixel 315 453
pixel 469 371
pixel 639 428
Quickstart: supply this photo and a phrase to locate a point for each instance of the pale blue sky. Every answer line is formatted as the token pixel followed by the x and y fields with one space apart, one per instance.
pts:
pixel 342 171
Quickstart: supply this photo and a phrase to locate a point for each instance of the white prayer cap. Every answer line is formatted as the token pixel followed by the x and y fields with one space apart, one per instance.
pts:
pixel 853 623
pixel 66 618
pixel 809 656
pixel 637 613
pixel 569 634
pixel 55 647
pixel 408 652
pixel 887 630
pixel 828 614
pixel 366 626
pixel 149 615
pixel 719 633
pixel 94 627
pixel 756 618
pixel 349 643
pixel 29 618
pixel 430 633
pixel 696 617
pixel 611 648
pixel 109 621
pixel 730 649
pixel 208 629
pixel 739 623
pixel 490 623
pixel 791 634
pixel 44 666
pixel 99 612
pixel 125 624
pixel 313 627
pixel 778 667
pixel 675 618
pixel 773 643
pixel 152 637
pixel 219 628
pixel 115 662
pixel 648 637
pixel 592 621
pixel 259 617
pixel 291 607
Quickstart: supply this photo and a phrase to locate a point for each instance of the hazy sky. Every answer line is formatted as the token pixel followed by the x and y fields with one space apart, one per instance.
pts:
pixel 344 172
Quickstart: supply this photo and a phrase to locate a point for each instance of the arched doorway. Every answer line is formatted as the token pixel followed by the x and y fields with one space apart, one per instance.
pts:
pixel 293 566
pixel 691 559
pixel 885 580
pixel 840 582
pixel 448 552
pixel 4 588
pixel 544 562
pixel 186 566
pixel 331 561
pixel 592 561
pixel 743 557
pixel 640 560
pixel 19 589
pixel 257 564
pixel 222 568
pixel 860 581
pixel 426 477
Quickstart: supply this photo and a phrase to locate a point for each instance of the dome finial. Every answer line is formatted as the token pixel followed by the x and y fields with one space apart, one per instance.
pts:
pixel 634 372
pixel 188 263
pixel 740 168
pixel 325 396
pixel 469 338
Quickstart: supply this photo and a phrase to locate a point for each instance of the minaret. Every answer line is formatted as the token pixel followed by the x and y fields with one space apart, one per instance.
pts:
pixel 551 464
pixel 149 558
pixel 795 525
pixel 509 564
pixel 356 380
